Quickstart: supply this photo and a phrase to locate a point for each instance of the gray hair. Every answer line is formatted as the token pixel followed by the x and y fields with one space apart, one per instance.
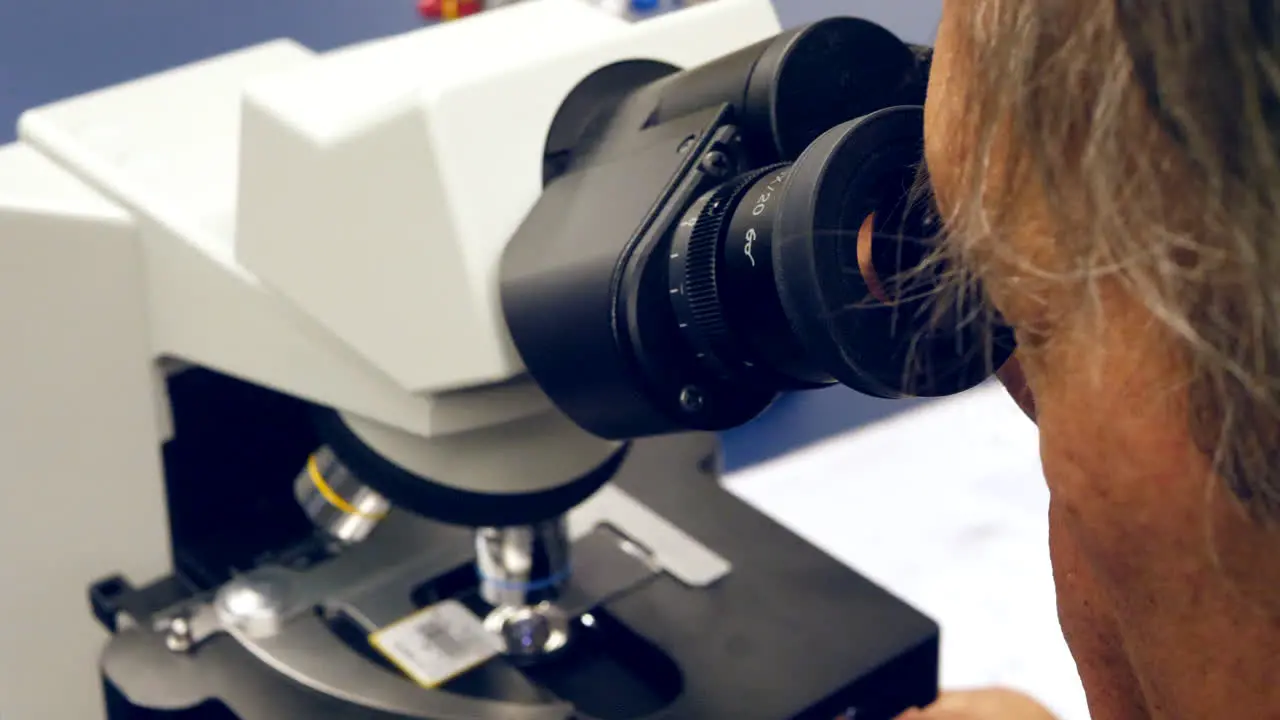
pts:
pixel 1148 129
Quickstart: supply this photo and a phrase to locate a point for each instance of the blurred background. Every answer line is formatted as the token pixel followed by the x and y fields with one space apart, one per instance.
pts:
pixel 943 502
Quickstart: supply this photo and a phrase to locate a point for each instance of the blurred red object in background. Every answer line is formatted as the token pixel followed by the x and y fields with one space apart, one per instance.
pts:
pixel 448 9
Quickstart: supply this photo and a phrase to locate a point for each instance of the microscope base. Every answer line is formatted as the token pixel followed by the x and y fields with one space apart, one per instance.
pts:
pixel 788 633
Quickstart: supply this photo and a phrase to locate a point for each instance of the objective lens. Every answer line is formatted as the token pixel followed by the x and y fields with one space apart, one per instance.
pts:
pixel 767 285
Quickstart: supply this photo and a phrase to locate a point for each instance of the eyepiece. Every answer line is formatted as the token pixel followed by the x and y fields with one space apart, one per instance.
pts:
pixel 768 287
pixel 697 251
pixel 789 89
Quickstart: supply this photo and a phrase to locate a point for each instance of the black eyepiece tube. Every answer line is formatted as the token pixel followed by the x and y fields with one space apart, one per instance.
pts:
pixel 704 249
pixel 785 91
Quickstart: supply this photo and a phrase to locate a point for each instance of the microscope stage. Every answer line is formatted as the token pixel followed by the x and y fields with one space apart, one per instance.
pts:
pixel 786 633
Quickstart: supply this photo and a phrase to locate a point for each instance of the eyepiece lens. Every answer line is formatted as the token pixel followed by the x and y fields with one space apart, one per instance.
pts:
pixel 801 275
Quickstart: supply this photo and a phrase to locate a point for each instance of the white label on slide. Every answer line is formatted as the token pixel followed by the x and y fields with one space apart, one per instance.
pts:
pixel 437 644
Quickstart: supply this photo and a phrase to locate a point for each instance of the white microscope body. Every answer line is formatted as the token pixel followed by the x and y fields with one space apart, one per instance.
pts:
pixel 329 226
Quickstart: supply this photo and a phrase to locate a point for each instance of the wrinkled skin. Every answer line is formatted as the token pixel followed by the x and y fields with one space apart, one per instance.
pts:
pixel 1169 596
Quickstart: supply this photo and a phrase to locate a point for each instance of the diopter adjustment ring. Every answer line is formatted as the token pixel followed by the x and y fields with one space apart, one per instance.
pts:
pixel 701 293
pixel 695 259
pixel 695 297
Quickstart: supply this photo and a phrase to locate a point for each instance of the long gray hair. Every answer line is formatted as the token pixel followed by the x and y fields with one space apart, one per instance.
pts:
pixel 1150 130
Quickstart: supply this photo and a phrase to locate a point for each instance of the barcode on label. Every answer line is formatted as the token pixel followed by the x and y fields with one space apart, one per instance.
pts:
pixel 442 639
pixel 437 643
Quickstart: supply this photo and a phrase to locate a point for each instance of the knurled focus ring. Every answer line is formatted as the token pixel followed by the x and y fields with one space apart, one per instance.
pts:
pixel 695 292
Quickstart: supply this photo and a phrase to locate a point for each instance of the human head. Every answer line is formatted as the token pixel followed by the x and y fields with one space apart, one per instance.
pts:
pixel 1110 171
pixel 1128 148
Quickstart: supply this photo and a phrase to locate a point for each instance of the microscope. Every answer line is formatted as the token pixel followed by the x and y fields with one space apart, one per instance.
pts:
pixel 383 383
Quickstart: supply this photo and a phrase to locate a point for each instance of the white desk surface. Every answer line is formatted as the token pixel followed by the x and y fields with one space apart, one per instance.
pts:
pixel 945 506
